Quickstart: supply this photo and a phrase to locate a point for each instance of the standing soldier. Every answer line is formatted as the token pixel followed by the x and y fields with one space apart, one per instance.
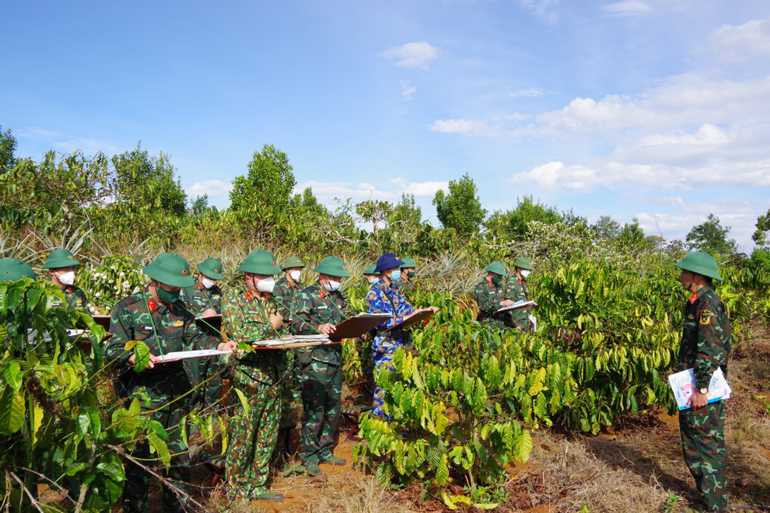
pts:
pixel 369 275
pixel 250 315
pixel 384 296
pixel 321 307
pixel 705 347
pixel 491 297
pixel 408 272
pixel 287 288
pixel 62 265
pixel 204 299
pixel 516 289
pixel 13 270
pixel 156 316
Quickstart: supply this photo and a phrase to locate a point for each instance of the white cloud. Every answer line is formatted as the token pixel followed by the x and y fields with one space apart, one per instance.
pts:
pixel 407 90
pixel 627 8
pixel 389 191
pixel 533 92
pixel 86 145
pixel 743 42
pixel 675 201
pixel 543 9
pixel 412 55
pixel 458 126
pixel 210 187
pixel 34 132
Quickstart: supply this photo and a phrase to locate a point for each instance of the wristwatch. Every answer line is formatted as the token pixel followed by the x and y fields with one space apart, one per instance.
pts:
pixel 704 391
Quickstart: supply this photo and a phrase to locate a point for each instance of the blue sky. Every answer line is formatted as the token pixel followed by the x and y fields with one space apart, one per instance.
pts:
pixel 656 109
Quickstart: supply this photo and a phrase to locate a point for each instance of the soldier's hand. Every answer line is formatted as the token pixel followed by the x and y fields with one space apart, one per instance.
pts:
pixel 327 329
pixel 506 302
pixel 699 400
pixel 150 364
pixel 276 320
pixel 208 312
pixel 228 346
pixel 433 309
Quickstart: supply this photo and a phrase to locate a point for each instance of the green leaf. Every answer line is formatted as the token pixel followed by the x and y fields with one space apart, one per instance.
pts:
pixel 141 356
pixel 13 374
pixel 71 470
pixel 113 470
pixel 159 447
pixel 244 401
pixel 12 411
pixel 442 472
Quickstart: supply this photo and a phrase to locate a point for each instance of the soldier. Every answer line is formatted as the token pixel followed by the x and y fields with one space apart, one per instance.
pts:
pixel 321 307
pixel 516 289
pixel 369 275
pixel 408 272
pixel 13 270
pixel 250 315
pixel 705 347
pixel 288 287
pixel 491 297
pixel 156 316
pixel 204 299
pixel 62 265
pixel 384 296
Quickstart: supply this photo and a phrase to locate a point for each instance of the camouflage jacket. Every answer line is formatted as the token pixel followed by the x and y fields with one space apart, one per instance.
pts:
pixel 286 295
pixel 74 296
pixel 518 290
pixel 317 306
pixel 246 319
pixel 706 336
pixel 198 298
pixel 382 298
pixel 164 328
pixel 489 297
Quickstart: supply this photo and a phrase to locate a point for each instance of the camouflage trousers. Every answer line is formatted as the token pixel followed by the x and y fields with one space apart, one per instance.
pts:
pixel 252 436
pixel 321 397
pixel 383 349
pixel 703 447
pixel 162 386
pixel 201 369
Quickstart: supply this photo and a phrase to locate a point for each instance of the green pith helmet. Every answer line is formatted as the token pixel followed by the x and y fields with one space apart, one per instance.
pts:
pixel 408 263
pixel 370 270
pixel 332 266
pixel 12 270
pixel 293 262
pixel 170 269
pixel 59 258
pixel 212 268
pixel 260 261
pixel 700 263
pixel 497 268
pixel 523 263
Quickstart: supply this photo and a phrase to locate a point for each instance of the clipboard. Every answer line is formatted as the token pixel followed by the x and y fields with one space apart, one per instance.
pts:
pixel 103 321
pixel 211 320
pixel 517 305
pixel 356 326
pixel 415 319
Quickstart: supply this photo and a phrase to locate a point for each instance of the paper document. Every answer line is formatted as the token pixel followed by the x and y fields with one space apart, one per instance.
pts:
pixel 294 341
pixel 184 355
pixel 533 323
pixel 683 385
pixel 516 305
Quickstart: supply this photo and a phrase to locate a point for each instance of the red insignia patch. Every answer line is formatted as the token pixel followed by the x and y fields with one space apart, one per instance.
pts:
pixel 184 272
pixel 70 257
pixel 151 305
pixel 693 297
pixel 272 263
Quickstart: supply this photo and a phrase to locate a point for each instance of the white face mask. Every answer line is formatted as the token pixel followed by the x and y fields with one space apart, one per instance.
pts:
pixel 295 275
pixel 525 272
pixel 332 286
pixel 208 283
pixel 266 284
pixel 67 278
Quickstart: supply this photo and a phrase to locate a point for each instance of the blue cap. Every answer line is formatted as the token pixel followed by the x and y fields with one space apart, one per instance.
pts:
pixel 387 261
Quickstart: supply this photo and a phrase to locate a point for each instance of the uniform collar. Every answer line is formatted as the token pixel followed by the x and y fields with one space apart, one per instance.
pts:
pixel 701 291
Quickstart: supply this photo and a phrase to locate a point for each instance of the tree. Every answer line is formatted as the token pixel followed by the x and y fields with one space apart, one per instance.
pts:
pixel 268 184
pixel 631 234
pixel 7 149
pixel 460 209
pixel 513 224
pixel 711 237
pixel 763 226
pixel 606 228
pixel 375 212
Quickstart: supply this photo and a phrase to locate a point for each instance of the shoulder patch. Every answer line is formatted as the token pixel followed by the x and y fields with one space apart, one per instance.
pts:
pixel 693 297
pixel 705 317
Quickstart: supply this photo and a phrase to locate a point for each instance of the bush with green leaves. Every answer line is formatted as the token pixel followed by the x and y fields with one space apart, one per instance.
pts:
pixel 115 278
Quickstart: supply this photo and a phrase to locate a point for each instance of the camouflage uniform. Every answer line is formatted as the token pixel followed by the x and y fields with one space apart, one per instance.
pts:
pixel 382 298
pixel 164 328
pixel 74 296
pixel 706 345
pixel 258 375
pixel 197 299
pixel 489 296
pixel 286 295
pixel 320 371
pixel 517 290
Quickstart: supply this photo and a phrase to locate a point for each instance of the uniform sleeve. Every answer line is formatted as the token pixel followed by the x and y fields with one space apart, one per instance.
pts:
pixel 711 337
pixel 197 339
pixel 300 324
pixel 121 328
pixel 484 299
pixel 243 326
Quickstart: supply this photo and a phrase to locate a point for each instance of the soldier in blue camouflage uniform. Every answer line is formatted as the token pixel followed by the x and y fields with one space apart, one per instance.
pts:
pixel 384 296
pixel 250 315
pixel 62 265
pixel 157 317
pixel 517 289
pixel 204 299
pixel 705 347
pixel 490 295
pixel 12 269
pixel 321 307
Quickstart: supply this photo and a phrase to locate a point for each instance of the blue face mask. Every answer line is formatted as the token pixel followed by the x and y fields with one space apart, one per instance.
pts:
pixel 396 275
